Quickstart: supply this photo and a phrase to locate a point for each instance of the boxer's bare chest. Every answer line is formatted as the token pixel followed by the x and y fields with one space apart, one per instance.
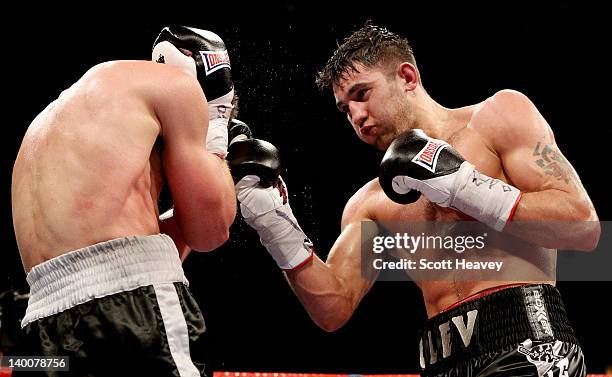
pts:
pixel 474 148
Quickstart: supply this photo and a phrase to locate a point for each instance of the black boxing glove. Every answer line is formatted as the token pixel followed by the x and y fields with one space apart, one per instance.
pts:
pixel 264 203
pixel 238 131
pixel 415 163
pixel 248 156
pixel 256 158
pixel 203 54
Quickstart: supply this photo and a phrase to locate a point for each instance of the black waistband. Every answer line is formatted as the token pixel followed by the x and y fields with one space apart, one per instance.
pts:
pixel 493 323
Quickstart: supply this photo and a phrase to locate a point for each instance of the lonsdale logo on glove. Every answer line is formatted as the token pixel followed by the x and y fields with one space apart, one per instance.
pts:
pixel 215 60
pixel 428 156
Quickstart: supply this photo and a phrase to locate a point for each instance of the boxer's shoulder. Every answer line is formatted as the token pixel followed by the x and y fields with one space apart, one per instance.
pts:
pixel 139 74
pixel 507 116
pixel 122 65
pixel 369 203
pixel 362 205
pixel 504 111
pixel 508 97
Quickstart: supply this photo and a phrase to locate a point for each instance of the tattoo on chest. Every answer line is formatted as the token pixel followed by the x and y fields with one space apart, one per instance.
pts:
pixel 552 162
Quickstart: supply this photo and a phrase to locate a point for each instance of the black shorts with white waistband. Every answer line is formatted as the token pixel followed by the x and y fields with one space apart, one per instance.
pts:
pixel 118 308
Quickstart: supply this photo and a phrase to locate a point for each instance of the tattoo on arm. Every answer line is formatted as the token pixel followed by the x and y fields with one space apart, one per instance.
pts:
pixel 553 163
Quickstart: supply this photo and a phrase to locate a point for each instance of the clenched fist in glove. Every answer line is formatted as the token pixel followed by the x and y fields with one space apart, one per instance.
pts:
pixel 416 164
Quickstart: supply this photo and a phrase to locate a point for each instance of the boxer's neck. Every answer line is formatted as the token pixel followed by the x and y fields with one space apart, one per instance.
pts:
pixel 434 119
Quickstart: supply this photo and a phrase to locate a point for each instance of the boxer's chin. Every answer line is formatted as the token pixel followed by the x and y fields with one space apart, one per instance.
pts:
pixel 382 143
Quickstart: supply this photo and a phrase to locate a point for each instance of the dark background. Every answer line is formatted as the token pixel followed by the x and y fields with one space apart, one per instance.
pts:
pixel 550 51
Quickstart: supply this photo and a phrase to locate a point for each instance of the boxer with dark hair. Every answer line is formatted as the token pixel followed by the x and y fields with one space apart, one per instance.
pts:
pixel 495 162
pixel 107 285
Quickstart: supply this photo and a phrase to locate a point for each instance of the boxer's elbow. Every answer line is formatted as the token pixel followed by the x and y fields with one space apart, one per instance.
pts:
pixel 587 227
pixel 332 325
pixel 335 316
pixel 335 322
pixel 213 237
pixel 587 236
pixel 216 231
pixel 593 239
pixel 205 236
pixel 226 216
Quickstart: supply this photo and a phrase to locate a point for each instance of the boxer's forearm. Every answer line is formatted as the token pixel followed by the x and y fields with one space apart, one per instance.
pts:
pixel 224 213
pixel 219 211
pixel 556 219
pixel 227 193
pixel 323 294
pixel 331 291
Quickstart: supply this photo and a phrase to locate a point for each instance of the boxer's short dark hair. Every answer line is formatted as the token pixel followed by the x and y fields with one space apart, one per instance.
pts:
pixel 368 46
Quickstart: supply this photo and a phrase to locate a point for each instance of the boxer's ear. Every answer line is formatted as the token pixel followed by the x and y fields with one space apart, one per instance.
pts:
pixel 409 74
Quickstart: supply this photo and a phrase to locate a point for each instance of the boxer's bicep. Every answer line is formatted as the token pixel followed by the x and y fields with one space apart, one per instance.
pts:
pixel 539 165
pixel 552 190
pixel 550 185
pixel 526 145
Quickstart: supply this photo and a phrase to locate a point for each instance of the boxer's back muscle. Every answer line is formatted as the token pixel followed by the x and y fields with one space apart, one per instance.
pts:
pixel 89 167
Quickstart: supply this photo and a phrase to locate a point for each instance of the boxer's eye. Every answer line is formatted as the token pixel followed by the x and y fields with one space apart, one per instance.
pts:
pixel 360 95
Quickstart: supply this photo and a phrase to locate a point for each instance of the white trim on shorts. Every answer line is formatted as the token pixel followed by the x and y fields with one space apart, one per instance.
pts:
pixel 177 333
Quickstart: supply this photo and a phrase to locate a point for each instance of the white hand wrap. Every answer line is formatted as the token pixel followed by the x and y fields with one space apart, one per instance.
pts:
pixel 279 231
pixel 218 117
pixel 486 199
